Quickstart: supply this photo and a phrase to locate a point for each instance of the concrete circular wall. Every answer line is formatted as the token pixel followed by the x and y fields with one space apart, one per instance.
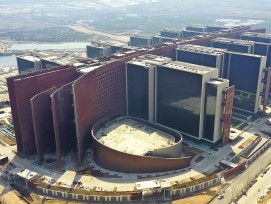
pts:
pixel 112 159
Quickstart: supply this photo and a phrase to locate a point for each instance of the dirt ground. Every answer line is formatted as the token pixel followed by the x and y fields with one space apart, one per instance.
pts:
pixel 267 199
pixel 7 140
pixel 202 198
pixel 12 197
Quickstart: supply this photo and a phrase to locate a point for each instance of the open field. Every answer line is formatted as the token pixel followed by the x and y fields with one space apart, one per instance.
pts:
pixel 201 198
pixel 91 31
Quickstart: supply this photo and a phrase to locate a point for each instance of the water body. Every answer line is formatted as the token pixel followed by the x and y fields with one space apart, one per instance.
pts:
pixel 8 61
pixel 49 46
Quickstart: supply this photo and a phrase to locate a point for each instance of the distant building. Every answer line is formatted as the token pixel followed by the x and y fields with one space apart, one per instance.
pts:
pixel 234 45
pixel 171 34
pixel 257 37
pixel 140 41
pixel 28 64
pixel 210 29
pixel 157 40
pixel 119 48
pixel 54 61
pixel 187 33
pixel 196 28
pixel 97 50
pixel 201 55
pixel 265 50
pixel 48 63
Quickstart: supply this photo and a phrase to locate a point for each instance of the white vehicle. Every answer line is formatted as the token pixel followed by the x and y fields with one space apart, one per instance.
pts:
pixel 220 196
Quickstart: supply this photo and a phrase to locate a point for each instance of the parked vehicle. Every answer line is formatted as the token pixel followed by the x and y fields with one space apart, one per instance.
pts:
pixel 220 196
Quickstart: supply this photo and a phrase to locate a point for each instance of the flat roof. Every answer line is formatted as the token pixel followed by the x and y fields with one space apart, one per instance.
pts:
pixel 30 58
pixel 171 31
pixel 149 60
pixel 141 36
pixel 162 37
pixel 188 67
pixel 262 35
pixel 201 49
pixel 233 41
pixel 145 185
pixel 88 69
pixel 234 133
pixel 228 163
pixel 217 81
pixel 61 60
pixel 100 46
pixel 27 174
pixel 195 26
pixel 132 137
pixel 245 54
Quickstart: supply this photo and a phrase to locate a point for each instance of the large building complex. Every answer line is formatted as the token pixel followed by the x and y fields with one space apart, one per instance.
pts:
pixel 231 65
pixel 183 96
pixel 70 102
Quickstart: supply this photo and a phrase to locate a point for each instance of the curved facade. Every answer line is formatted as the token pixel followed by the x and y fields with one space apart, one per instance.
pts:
pixel 164 159
pixel 63 119
pixel 43 122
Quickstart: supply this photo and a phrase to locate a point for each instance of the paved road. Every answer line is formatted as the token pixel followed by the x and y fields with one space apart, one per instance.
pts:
pixel 241 181
pixel 258 189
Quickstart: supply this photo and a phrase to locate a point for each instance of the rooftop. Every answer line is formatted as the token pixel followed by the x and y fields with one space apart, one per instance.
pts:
pixel 132 137
pixel 187 67
pixel 201 49
pixel 30 58
pixel 217 81
pixel 171 31
pixel 27 174
pixel 233 41
pixel 262 35
pixel 145 185
pixel 88 68
pixel 162 37
pixel 149 60
pixel 62 60
pixel 140 36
